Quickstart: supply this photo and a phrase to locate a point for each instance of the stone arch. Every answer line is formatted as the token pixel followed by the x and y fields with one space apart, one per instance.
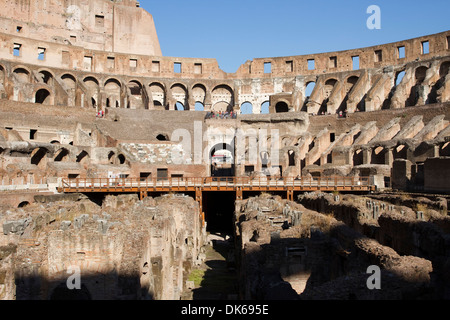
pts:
pixel 158 92
pixel 46 76
pixel 111 157
pixel 400 152
pixel 310 87
pixel 62 292
pixel 113 91
pixel 265 107
pixel 43 96
pixel 23 204
pixel 62 155
pixel 444 69
pixel 247 108
pixel 38 156
pixel 199 106
pixel 22 74
pixel 179 95
pixel 419 76
pixel 378 155
pixel 358 157
pixel 162 137
pixel 328 88
pixel 435 92
pixel 222 98
pixel 349 83
pixel 281 107
pixel 399 75
pixel 121 159
pixel 82 157
pixel 222 150
pixel 291 157
pixel 92 86
pixel 179 106
pixel 199 93
pixel 444 150
pixel 265 158
pixel 69 82
pixel 136 99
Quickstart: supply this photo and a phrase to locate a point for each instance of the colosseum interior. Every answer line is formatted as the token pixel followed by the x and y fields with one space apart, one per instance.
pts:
pixel 89 98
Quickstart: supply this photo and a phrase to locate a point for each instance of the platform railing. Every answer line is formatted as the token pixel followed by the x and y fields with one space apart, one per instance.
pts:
pixel 216 182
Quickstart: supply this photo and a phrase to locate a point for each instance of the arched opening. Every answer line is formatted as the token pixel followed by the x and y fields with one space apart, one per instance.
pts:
pixel 113 92
pixel 444 151
pixel 46 77
pixel 62 155
pixel 222 98
pixel 158 105
pixel 162 137
pixel 265 159
pixel 222 160
pixel 22 75
pixel 23 204
pixel 179 94
pixel 38 155
pixel 179 106
pixel 414 96
pixel 349 84
pixel 399 77
pixel 158 93
pixel 327 91
pixel 199 93
pixel 42 96
pixel 310 86
pixel 435 94
pixel 92 86
pixel 400 152
pixel 291 158
pixel 69 84
pixel 111 157
pixel 265 108
pixel 358 157
pixel 281 107
pixel 82 157
pixel 199 106
pixel 62 292
pixel 121 159
pixel 135 88
pixel 246 108
pixel 378 156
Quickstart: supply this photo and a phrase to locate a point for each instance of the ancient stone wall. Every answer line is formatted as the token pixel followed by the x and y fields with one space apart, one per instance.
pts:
pixel 110 26
pixel 287 251
pixel 123 249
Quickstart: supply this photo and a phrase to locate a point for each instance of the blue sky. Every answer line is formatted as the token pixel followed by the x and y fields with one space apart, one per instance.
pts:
pixel 235 31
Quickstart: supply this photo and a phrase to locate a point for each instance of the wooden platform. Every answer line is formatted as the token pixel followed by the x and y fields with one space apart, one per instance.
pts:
pixel 236 184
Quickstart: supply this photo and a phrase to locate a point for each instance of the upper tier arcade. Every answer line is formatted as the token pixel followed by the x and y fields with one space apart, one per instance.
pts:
pixel 105 54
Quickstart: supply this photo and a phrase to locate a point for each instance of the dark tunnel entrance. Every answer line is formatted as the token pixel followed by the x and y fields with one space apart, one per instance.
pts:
pixel 219 210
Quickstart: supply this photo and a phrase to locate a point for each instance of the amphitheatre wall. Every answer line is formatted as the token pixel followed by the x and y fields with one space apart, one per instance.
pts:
pixel 109 26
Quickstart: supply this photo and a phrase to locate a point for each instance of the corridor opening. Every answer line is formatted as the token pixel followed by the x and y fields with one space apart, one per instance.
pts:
pixel 219 209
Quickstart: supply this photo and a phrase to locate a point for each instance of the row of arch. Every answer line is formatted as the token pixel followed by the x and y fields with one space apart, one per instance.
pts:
pixel 113 93
pixel 63 154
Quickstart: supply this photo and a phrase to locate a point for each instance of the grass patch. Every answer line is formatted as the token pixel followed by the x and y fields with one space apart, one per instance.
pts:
pixel 197 276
